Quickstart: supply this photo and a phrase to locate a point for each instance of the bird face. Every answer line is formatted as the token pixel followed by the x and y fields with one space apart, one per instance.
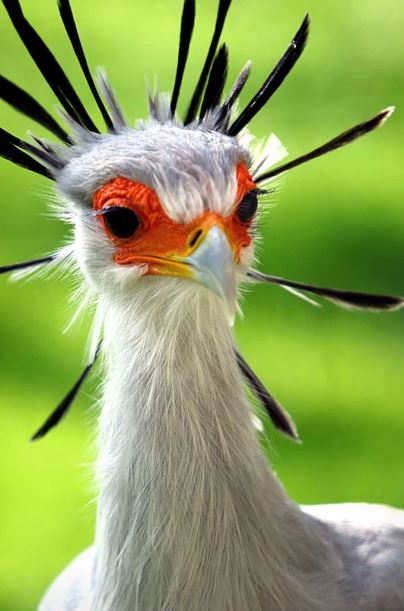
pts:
pixel 148 215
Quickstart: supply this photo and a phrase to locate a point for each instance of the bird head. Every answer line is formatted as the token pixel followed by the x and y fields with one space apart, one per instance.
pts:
pixel 163 200
pixel 172 196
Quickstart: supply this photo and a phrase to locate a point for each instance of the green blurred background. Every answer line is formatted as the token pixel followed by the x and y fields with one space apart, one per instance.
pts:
pixel 337 221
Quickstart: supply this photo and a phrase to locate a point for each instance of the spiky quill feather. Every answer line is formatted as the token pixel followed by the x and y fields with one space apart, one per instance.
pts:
pixel 223 8
pixel 187 28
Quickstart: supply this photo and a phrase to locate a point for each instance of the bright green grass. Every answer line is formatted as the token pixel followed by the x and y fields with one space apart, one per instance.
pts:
pixel 340 221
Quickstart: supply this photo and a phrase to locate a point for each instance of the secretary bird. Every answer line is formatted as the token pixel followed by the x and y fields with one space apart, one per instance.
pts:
pixel 190 515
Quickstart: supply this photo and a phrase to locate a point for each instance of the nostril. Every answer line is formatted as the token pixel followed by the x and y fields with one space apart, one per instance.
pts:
pixel 195 237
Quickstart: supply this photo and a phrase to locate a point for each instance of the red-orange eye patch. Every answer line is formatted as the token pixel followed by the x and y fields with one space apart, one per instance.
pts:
pixel 156 235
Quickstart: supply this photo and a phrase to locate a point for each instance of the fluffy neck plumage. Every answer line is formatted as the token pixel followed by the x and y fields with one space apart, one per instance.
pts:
pixel 190 516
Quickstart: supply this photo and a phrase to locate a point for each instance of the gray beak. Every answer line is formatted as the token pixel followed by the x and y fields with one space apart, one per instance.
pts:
pixel 213 266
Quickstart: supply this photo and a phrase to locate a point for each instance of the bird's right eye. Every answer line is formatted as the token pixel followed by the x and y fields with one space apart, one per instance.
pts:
pixel 248 207
pixel 122 222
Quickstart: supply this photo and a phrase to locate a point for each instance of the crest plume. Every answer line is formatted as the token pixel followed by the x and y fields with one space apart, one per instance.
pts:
pixel 224 6
pixel 187 28
pixel 275 78
pixel 216 82
pixel 348 136
pixel 71 30
pixel 24 103
pixel 48 66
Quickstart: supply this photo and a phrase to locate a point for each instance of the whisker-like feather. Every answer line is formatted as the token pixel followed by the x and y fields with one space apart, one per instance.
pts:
pixel 64 406
pixel 278 415
pixel 216 82
pixel 224 6
pixel 4 269
pixel 274 80
pixel 347 299
pixel 48 65
pixel 226 108
pixel 187 28
pixel 117 118
pixel 301 296
pixel 43 144
pixel 67 16
pixel 341 140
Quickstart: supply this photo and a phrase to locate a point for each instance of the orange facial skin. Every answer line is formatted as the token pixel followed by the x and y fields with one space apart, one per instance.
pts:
pixel 159 241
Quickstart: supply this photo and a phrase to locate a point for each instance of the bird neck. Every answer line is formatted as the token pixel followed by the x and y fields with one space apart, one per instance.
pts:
pixel 190 516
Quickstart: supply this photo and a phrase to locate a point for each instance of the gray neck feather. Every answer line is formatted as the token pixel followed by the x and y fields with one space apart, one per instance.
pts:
pixel 190 516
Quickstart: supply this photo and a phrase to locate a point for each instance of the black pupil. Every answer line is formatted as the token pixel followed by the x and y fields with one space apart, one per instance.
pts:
pixel 248 207
pixel 122 222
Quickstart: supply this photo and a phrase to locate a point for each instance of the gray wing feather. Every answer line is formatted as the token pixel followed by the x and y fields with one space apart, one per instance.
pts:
pixel 369 541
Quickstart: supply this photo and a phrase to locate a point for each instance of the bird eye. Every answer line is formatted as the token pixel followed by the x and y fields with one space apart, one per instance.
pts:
pixel 247 207
pixel 121 222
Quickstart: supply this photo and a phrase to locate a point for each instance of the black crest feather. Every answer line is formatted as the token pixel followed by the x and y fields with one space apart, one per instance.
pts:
pixel 226 108
pixel 64 406
pixel 274 80
pixel 278 415
pixel 187 28
pixel 224 6
pixel 341 140
pixel 25 103
pixel 4 269
pixel 71 30
pixel 216 82
pixel 347 299
pixel 48 66
pixel 10 148
pixel 42 153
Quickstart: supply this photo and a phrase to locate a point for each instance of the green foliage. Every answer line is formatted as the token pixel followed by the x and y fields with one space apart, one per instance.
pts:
pixel 339 221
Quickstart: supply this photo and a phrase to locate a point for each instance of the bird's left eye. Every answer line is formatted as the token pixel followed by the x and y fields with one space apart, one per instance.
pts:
pixel 122 222
pixel 247 207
